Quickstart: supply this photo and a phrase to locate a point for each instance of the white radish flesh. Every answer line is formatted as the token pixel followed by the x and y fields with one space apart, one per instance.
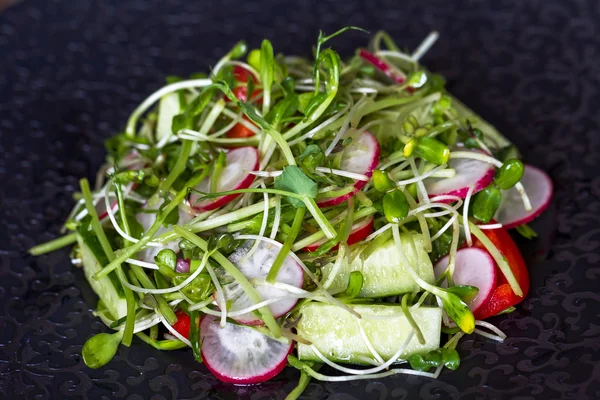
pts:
pixel 256 267
pixel 239 354
pixel 361 157
pixel 475 267
pixel 469 172
pixel 539 188
pixel 146 220
pixel 236 175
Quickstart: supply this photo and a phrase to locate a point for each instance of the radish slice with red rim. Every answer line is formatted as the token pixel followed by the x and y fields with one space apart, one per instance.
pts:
pixel 475 267
pixel 236 175
pixel 539 188
pixel 361 157
pixel 469 172
pixel 239 354
pixel 360 230
pixel 256 267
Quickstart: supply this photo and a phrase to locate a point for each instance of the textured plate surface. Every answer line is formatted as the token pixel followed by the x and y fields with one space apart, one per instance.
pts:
pixel 71 71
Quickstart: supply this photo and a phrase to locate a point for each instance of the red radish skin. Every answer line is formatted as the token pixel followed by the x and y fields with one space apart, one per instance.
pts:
pixel 474 267
pixel 380 65
pixel 364 164
pixel 240 355
pixel 256 267
pixel 468 172
pixel 359 232
pixel 539 188
pixel 235 175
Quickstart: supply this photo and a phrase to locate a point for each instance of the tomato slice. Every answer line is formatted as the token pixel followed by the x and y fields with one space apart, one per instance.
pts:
pixel 503 295
pixel 240 130
pixel 242 74
pixel 183 324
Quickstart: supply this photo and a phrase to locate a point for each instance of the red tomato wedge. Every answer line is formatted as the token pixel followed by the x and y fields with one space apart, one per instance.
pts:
pixel 241 74
pixel 503 296
pixel 240 130
pixel 182 326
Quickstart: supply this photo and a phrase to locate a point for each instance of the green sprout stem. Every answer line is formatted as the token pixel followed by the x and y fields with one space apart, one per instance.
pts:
pixel 53 245
pixel 285 249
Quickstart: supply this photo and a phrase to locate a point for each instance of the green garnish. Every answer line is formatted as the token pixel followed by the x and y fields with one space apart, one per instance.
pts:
pixel 343 155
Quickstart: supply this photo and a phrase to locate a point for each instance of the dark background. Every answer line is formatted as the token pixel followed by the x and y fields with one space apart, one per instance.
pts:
pixel 72 71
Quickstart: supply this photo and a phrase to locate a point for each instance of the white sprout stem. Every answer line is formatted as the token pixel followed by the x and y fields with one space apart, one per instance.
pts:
pixel 345 125
pixel 465 216
pixel 421 177
pixel 307 271
pixel 425 46
pixel 321 126
pixel 444 228
pixel 369 370
pixel 395 54
pixel 154 97
pixel 266 174
pixel 221 300
pixel 277 218
pixel 246 310
pixel 423 197
pixel 490 226
pixel 201 305
pixel 263 227
pixel 378 232
pixel 247 124
pixel 110 211
pixel 346 174
pixel 492 328
pixel 368 343
pixel 445 197
pixel 337 266
pixel 393 160
pixel 453 246
pixel 497 164
pixel 347 378
pixel 183 284
pixel 173 331
pixel 142 264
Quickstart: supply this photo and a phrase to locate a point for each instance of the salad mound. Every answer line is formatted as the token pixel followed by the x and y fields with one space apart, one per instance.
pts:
pixel 285 211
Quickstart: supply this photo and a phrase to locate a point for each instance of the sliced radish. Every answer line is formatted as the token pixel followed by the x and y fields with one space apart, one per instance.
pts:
pixel 236 175
pixel 469 172
pixel 539 188
pixel 239 354
pixel 380 65
pixel 360 230
pixel 146 220
pixel 474 267
pixel 361 157
pixel 256 267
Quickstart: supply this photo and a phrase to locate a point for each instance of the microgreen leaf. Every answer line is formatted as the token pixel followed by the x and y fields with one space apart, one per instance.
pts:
pixel 294 180
pixel 526 231
pixel 395 206
pixel 465 292
pixel 100 349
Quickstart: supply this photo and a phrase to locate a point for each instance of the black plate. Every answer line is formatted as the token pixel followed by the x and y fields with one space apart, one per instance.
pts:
pixel 72 71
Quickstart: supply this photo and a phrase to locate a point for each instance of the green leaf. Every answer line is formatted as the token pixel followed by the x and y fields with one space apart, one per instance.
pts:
pixel 382 181
pixel 395 206
pixel 355 283
pixel 100 349
pixel 294 180
pixel 465 292
pixel 486 203
pixel 458 312
pixel 509 174
pixel 526 231
pixel 198 289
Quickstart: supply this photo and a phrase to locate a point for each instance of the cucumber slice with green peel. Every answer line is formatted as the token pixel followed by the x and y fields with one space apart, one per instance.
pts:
pixel 337 335
pixel 111 295
pixel 383 272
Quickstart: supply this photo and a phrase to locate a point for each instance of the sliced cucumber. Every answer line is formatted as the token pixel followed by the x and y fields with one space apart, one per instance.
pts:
pixel 336 333
pixel 111 295
pixel 168 108
pixel 383 272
